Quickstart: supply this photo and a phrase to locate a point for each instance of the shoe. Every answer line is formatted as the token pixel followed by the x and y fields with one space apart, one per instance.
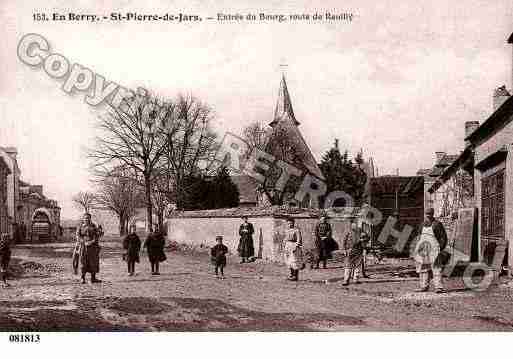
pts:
pixel 439 290
pixel 223 277
pixel 153 273
pixel 422 290
pixel 83 281
pixel 5 285
pixel 345 283
pixel 96 281
pixel 157 273
pixel 357 282
pixel 130 274
pixel 290 278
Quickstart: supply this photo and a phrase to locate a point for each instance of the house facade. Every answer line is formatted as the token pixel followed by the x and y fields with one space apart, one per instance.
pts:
pixel 4 216
pixel 488 159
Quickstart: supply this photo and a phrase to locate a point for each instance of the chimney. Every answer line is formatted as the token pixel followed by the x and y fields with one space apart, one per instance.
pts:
pixel 439 155
pixel 470 126
pixel 500 95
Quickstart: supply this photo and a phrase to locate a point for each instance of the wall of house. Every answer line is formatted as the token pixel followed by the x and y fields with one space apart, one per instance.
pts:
pixel 502 140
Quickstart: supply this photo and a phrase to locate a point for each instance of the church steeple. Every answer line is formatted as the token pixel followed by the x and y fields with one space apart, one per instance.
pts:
pixel 283 111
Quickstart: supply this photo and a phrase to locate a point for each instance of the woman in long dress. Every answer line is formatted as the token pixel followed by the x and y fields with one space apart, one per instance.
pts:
pixel 355 244
pixel 88 249
pixel 292 251
pixel 155 243
pixel 246 248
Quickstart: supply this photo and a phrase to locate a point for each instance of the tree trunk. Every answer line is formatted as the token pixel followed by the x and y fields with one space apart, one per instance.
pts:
pixel 160 217
pixel 149 206
pixel 122 226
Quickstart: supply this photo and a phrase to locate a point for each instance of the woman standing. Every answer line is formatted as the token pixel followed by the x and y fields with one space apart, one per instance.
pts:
pixel 132 245
pixel 292 251
pixel 88 249
pixel 155 246
pixel 246 248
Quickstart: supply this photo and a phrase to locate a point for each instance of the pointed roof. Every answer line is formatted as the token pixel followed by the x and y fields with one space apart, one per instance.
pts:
pixel 285 124
pixel 283 109
pixel 510 40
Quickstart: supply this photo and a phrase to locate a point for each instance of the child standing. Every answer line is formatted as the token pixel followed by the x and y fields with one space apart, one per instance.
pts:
pixel 218 255
pixel 5 257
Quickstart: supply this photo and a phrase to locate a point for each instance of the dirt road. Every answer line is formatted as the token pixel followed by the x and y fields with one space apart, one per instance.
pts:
pixel 45 296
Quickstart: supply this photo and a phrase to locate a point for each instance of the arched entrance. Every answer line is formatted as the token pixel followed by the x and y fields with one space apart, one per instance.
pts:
pixel 42 225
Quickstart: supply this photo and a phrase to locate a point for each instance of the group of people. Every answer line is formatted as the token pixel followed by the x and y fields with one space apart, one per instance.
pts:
pixel 86 254
pixel 430 250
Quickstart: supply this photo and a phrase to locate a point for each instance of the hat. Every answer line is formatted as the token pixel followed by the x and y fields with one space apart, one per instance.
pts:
pixel 219 238
pixel 430 211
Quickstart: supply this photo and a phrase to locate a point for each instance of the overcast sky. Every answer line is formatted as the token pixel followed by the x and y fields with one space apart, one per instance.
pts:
pixel 398 81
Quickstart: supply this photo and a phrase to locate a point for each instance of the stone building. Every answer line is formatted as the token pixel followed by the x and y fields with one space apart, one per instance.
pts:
pixel 4 217
pixel 488 158
pixel 431 175
pixel 38 216
pixel 9 156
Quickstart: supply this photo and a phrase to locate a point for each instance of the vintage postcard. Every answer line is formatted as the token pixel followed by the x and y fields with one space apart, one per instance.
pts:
pixel 234 166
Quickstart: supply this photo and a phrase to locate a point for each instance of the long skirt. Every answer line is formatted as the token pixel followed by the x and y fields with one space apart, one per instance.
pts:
pixel 293 255
pixel 246 248
pixel 90 258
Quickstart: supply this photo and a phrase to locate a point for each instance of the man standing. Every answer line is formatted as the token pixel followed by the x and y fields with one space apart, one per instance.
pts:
pixel 354 248
pixel 88 248
pixel 429 252
pixel 293 253
pixel 246 248
pixel 322 234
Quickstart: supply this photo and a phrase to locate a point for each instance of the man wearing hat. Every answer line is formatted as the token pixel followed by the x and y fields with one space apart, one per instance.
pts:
pixel 429 254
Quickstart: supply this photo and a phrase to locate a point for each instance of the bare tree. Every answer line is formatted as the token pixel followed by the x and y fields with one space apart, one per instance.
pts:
pixel 190 145
pixel 119 192
pixel 129 137
pixel 84 201
pixel 284 146
pixel 256 136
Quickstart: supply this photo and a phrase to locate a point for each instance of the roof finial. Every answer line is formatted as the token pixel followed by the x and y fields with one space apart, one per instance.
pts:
pixel 336 143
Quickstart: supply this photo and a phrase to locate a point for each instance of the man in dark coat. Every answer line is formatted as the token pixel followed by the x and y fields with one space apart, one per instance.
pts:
pixel 323 238
pixel 246 248
pixel 430 253
pixel 155 243
pixel 132 245
pixel 88 248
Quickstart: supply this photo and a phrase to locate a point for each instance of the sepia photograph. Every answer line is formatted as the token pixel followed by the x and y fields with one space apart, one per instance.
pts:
pixel 233 167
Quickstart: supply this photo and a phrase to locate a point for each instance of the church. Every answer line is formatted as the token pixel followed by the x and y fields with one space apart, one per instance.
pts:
pixel 286 143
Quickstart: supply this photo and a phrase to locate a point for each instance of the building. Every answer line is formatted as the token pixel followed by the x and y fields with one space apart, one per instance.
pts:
pixel 398 196
pixel 431 175
pixel 9 156
pixel 286 143
pixel 39 217
pixel 4 216
pixel 488 158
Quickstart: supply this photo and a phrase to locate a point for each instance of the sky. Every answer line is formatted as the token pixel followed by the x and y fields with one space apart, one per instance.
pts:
pixel 399 80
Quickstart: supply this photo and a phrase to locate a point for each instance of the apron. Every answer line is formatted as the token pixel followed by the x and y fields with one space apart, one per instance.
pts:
pixel 426 250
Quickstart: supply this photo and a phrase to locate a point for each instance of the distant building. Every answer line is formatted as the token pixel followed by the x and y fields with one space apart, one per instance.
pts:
pixel 4 216
pixel 436 200
pixel 39 218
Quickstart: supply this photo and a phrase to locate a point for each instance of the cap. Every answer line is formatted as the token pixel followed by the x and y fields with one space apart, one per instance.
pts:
pixel 430 211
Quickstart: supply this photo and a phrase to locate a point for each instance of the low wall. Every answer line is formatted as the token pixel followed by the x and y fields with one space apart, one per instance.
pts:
pixel 199 228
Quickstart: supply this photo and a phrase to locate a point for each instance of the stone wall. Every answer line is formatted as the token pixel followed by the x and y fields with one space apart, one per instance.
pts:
pixel 199 228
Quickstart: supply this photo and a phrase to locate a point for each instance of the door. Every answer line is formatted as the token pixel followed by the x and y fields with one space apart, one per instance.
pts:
pixel 492 215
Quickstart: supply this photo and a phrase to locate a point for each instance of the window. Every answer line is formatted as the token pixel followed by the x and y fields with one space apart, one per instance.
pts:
pixel 492 211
